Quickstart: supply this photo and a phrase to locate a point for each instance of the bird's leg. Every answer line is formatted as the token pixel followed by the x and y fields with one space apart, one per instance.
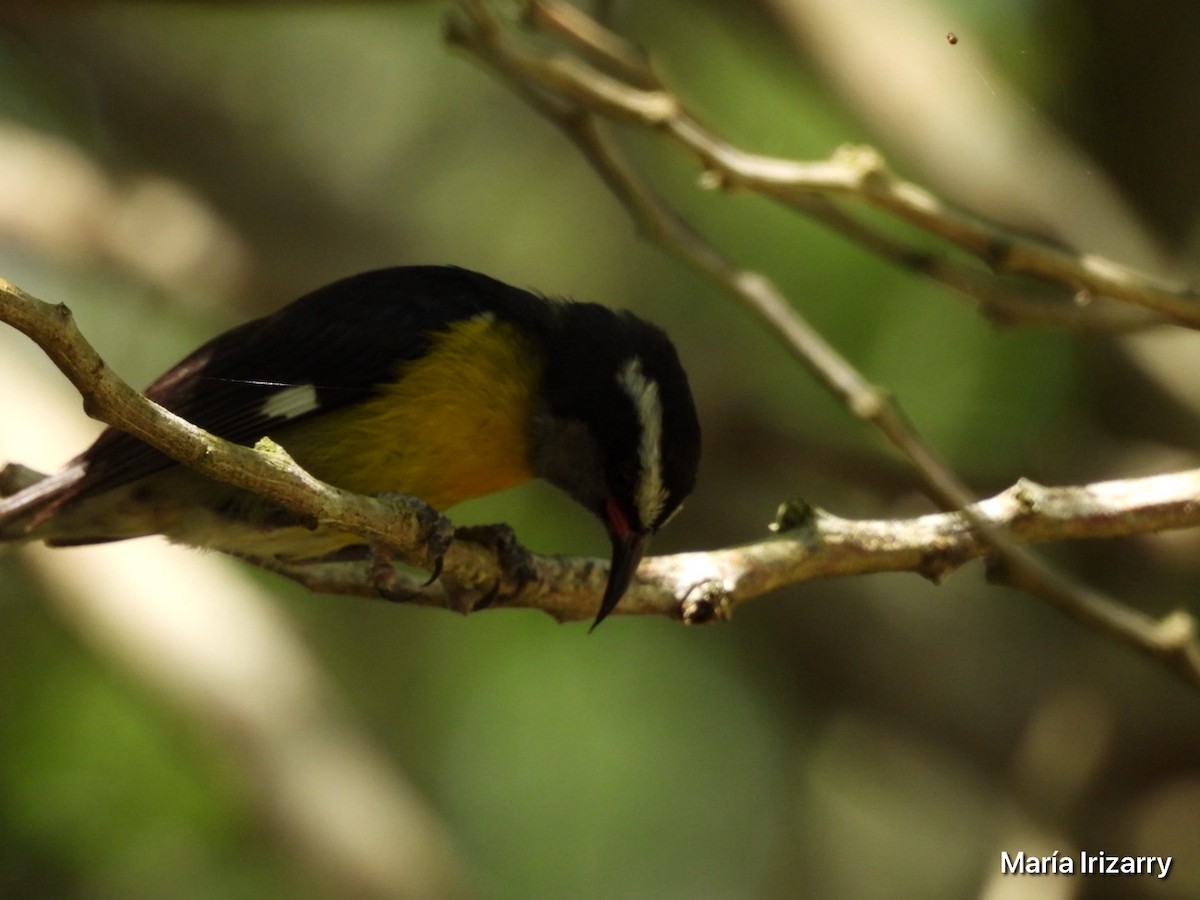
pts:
pixel 515 561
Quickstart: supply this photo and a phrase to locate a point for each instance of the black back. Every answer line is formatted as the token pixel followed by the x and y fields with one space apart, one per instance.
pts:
pixel 345 338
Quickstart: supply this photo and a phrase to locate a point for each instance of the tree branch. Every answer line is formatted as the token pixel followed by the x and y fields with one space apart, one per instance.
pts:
pixel 604 86
pixel 812 544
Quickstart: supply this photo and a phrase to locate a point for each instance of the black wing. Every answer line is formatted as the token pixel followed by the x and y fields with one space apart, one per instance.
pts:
pixel 343 339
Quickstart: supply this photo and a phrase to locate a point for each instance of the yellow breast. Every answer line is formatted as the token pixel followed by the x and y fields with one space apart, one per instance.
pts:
pixel 455 424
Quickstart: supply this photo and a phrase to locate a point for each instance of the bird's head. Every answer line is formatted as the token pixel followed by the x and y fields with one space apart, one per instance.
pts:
pixel 617 429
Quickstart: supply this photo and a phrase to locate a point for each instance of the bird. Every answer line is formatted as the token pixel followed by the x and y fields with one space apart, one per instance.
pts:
pixel 434 382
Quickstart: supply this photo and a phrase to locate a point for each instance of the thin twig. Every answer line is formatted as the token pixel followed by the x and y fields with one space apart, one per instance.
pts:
pixel 857 174
pixel 1035 305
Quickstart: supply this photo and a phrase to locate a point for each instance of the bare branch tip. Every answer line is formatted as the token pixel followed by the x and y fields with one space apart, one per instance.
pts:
pixel 712 180
pixel 1177 631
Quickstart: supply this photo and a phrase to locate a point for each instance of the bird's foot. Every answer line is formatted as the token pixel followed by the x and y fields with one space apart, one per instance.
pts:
pixel 437 532
pixel 516 563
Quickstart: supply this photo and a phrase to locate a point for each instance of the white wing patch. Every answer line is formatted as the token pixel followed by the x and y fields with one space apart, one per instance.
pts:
pixel 291 402
pixel 651 494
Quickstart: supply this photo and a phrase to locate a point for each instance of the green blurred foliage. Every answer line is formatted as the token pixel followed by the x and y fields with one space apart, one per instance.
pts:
pixel 866 739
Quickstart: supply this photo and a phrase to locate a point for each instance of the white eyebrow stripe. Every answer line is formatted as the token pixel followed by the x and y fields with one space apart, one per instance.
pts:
pixel 291 402
pixel 651 494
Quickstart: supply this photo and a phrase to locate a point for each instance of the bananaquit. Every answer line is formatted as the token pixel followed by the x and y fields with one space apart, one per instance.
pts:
pixel 430 381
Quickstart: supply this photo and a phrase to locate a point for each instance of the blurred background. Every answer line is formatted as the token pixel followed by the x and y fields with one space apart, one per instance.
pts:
pixel 168 170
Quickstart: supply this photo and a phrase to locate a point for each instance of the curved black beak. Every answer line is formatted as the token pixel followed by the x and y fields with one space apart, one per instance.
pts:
pixel 628 549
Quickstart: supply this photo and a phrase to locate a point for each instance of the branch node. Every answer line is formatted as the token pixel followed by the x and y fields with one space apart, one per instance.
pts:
pixel 868 404
pixel 706 602
pixel 865 162
pixel 937 563
pixel 793 514
pixel 1026 492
